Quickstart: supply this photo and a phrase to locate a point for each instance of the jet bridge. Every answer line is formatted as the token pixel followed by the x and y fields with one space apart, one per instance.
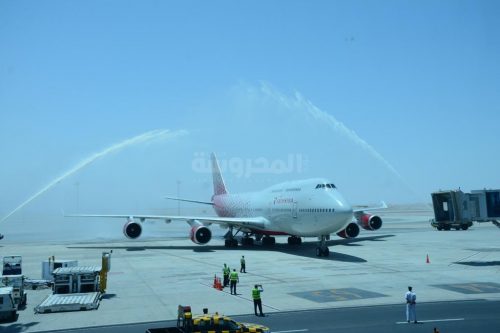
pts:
pixel 458 210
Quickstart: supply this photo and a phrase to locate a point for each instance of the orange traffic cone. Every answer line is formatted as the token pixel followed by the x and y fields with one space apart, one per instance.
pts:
pixel 215 281
pixel 427 261
pixel 219 284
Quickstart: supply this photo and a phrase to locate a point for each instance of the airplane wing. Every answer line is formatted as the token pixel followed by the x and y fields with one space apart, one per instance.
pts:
pixel 248 222
pixel 359 209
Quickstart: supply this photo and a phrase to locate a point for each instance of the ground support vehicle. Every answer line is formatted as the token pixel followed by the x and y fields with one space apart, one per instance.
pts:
pixel 8 309
pixel 19 295
pixel 187 323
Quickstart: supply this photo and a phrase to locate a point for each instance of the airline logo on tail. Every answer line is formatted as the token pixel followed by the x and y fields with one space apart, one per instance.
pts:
pixel 219 186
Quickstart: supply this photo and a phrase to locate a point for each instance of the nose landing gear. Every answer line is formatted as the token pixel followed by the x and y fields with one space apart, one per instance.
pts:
pixel 322 250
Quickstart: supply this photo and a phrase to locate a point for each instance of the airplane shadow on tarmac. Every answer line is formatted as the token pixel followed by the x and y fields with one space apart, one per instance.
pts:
pixel 478 263
pixel 13 328
pixel 306 249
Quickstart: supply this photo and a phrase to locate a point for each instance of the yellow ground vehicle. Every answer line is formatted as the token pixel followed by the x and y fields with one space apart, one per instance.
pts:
pixel 207 323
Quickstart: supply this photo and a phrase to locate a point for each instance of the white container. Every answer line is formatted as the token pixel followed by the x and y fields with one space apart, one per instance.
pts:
pixel 48 267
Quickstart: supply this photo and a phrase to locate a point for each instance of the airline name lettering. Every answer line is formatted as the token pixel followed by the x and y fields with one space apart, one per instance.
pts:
pixel 283 200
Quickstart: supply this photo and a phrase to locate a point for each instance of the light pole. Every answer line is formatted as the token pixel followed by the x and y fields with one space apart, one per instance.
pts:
pixel 77 184
pixel 178 202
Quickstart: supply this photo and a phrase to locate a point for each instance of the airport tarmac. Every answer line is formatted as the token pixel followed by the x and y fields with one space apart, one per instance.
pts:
pixel 150 278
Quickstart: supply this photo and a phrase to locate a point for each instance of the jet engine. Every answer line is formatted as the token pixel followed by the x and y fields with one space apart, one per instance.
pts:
pixel 132 230
pixel 351 231
pixel 200 234
pixel 369 222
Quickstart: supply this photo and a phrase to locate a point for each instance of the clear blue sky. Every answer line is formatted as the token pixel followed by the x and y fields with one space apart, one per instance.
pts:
pixel 418 81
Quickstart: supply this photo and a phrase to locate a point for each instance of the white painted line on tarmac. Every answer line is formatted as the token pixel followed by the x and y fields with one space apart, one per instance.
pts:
pixel 431 320
pixel 302 330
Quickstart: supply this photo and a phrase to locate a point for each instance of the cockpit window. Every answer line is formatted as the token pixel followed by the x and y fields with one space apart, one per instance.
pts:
pixel 326 186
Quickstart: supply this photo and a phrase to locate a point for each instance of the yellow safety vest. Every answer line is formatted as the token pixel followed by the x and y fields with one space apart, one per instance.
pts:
pixel 255 293
pixel 234 276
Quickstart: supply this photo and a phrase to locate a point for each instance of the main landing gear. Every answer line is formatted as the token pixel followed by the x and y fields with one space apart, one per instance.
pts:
pixel 230 241
pixel 322 250
pixel 268 241
pixel 247 241
pixel 293 240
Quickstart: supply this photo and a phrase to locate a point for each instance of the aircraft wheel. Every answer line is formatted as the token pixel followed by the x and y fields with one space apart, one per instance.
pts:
pixel 268 241
pixel 322 252
pixel 231 243
pixel 465 227
pixel 247 241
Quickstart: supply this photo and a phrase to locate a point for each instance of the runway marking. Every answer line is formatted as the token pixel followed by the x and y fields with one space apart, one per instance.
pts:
pixel 431 320
pixel 336 295
pixel 471 288
pixel 290 331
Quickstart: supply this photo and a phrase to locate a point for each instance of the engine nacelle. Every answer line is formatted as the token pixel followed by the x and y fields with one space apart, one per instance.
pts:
pixel 200 234
pixel 132 230
pixel 369 222
pixel 351 231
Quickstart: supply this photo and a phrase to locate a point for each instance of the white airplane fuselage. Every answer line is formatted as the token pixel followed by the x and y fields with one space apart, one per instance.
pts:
pixel 297 208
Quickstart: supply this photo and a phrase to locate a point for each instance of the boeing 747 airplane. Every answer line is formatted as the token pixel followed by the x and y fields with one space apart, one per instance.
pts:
pixel 302 208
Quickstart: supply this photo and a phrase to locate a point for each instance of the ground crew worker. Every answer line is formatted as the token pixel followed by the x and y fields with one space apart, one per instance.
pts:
pixel 242 262
pixel 411 298
pixel 233 277
pixel 225 272
pixel 257 301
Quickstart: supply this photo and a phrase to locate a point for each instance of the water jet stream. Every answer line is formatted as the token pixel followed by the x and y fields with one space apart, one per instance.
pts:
pixel 311 110
pixel 142 138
